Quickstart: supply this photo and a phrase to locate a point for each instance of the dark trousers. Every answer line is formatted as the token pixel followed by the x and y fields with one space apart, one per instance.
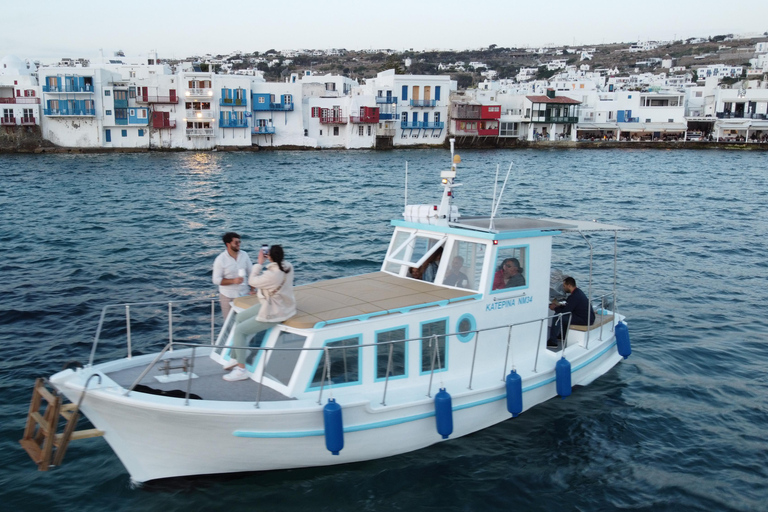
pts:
pixel 556 330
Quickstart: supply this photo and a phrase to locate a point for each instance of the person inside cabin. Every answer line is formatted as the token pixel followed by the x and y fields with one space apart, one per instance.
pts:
pixel 276 304
pixel 509 275
pixel 577 304
pixel 454 276
pixel 430 266
pixel 230 269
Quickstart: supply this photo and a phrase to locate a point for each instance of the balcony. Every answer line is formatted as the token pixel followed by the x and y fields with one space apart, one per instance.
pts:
pixel 20 101
pixel 205 92
pixel 386 100
pixel 263 130
pixel 266 107
pixel 199 132
pixel 233 102
pixel 233 123
pixel 423 103
pixel 8 121
pixel 466 112
pixel 28 121
pixel 121 121
pixel 405 125
pixel 164 123
pixel 439 125
pixel 146 98
pixel 488 131
pixel 370 118
pixel 68 88
pixel 333 120
pixel 558 119
pixel 200 114
pixel 56 112
pixel 388 116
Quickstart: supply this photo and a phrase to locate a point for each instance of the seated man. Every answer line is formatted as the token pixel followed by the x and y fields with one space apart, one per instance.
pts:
pixel 509 275
pixel 454 276
pixel 577 304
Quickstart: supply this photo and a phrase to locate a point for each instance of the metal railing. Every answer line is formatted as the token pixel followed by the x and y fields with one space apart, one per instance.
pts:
pixel 127 308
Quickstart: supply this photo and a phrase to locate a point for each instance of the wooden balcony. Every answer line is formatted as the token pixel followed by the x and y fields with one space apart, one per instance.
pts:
pixel 369 118
pixel 8 121
pixel 333 120
pixel 147 98
pixel 28 121
pixel 163 123
pixel 21 100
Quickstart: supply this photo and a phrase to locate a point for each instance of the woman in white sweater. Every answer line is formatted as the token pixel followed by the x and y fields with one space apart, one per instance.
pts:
pixel 276 303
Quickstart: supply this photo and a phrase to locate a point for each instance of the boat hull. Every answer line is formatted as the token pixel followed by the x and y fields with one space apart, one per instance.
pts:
pixel 160 437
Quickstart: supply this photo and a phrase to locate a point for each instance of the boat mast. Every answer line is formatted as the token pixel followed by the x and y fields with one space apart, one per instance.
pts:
pixel 445 210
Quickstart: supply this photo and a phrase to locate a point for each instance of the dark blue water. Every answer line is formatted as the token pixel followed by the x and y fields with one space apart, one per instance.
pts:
pixel 680 425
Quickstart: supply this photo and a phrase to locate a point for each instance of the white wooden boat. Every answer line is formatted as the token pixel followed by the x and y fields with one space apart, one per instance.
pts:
pixel 380 345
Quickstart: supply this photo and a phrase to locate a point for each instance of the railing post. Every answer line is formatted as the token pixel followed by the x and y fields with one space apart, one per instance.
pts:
pixel 170 325
pixel 326 368
pixel 506 356
pixel 128 328
pixel 474 355
pixel 389 369
pixel 213 321
pixel 538 345
pixel 435 350
pixel 189 377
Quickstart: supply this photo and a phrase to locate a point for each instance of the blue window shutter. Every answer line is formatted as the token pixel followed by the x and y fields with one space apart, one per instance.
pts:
pixel 405 93
pixel 108 135
pixel 426 117
pixel 437 93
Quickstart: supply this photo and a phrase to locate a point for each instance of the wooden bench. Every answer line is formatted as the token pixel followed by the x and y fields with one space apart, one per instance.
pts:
pixel 599 320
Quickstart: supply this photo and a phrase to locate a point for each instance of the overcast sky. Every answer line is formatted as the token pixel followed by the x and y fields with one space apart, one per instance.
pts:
pixel 51 29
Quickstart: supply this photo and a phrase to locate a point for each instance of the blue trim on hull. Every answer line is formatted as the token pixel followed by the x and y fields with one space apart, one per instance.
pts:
pixel 399 421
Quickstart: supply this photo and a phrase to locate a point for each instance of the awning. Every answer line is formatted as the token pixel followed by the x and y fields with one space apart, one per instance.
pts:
pixel 597 126
pixel 583 226
pixel 653 127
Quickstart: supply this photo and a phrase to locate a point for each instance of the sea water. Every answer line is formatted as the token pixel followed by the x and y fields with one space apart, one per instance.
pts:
pixel 680 425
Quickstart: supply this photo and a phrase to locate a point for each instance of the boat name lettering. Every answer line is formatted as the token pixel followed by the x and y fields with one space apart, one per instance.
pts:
pixel 508 303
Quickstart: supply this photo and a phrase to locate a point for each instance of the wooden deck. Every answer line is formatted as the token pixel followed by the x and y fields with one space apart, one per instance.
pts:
pixel 372 294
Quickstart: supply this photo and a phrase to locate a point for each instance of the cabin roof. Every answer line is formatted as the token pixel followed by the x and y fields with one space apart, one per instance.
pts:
pixel 511 224
pixel 361 297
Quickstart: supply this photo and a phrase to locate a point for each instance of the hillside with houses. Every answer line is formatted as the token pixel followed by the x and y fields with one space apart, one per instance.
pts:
pixel 695 90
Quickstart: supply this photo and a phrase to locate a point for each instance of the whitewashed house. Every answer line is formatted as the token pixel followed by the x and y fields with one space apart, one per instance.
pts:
pixel 19 94
pixel 422 106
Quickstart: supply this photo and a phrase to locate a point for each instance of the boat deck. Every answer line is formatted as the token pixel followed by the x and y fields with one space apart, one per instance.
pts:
pixel 208 385
pixel 360 297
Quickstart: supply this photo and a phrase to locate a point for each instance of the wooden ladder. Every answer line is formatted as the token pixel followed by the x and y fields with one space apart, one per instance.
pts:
pixel 40 437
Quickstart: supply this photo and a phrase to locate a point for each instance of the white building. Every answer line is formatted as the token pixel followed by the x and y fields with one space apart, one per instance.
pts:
pixel 19 93
pixel 413 108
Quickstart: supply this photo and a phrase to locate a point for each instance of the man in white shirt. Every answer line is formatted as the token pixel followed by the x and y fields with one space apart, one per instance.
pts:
pixel 230 271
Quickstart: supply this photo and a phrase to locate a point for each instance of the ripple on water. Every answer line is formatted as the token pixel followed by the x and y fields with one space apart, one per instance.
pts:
pixel 679 425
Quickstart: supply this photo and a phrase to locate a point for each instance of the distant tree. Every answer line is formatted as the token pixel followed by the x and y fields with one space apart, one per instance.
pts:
pixel 463 80
pixel 263 66
pixel 204 67
pixel 543 73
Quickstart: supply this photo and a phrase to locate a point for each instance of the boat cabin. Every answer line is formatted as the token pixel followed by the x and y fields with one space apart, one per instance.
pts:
pixel 399 325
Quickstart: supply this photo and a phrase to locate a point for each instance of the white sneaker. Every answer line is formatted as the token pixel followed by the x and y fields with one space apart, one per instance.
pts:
pixel 230 364
pixel 236 374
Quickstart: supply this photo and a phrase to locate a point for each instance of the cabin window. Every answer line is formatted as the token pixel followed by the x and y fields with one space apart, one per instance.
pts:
pixel 392 356
pixel 464 266
pixel 412 251
pixel 511 268
pixel 344 356
pixel 281 363
pixel 433 345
